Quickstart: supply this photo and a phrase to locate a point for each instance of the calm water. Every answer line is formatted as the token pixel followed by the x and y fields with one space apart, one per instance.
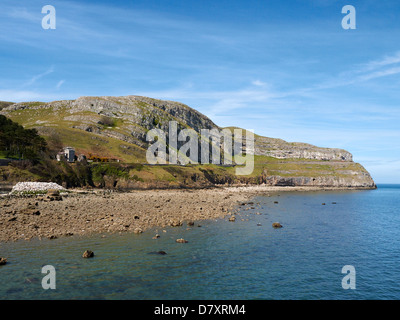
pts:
pixel 225 260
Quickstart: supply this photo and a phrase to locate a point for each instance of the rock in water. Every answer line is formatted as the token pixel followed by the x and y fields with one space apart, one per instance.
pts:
pixel 181 240
pixel 276 225
pixel 88 254
pixel 3 261
pixel 232 219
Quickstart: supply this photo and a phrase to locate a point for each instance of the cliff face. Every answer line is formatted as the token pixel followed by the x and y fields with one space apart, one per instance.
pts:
pixel 281 149
pixel 116 127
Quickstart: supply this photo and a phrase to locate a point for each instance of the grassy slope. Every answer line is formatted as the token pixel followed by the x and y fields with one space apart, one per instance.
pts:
pixel 85 142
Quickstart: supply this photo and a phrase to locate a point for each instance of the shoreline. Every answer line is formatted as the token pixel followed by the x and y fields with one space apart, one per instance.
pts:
pixel 85 212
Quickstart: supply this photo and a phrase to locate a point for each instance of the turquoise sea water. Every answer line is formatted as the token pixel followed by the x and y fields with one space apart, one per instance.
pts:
pixel 229 260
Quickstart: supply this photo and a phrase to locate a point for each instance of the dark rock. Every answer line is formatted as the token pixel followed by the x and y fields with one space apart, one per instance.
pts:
pixel 3 261
pixel 175 223
pixel 190 223
pixel 162 253
pixel 53 195
pixel 30 210
pixel 88 254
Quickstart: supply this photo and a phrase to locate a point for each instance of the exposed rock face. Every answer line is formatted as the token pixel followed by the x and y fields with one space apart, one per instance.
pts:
pixel 132 116
pixel 281 149
pixel 362 180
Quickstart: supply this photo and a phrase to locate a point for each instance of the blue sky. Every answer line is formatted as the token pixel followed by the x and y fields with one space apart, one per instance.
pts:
pixel 286 69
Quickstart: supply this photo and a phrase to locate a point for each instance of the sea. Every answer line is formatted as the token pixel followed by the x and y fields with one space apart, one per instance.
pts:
pixel 334 245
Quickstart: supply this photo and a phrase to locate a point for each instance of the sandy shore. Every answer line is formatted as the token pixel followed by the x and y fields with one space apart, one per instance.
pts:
pixel 81 213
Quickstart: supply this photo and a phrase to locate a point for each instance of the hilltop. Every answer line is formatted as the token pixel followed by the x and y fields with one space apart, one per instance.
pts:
pixel 115 128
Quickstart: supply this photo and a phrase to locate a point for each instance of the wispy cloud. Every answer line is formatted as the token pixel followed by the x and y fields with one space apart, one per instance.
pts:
pixel 35 78
pixel 384 61
pixel 59 84
pixel 383 67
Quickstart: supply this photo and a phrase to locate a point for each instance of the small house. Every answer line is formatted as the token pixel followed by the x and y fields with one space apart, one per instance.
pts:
pixel 68 154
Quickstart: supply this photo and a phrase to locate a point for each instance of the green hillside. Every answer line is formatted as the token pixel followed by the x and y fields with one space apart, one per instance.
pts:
pixel 113 129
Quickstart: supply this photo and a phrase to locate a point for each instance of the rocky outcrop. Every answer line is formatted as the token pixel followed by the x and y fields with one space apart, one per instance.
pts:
pixel 140 114
pixel 362 181
pixel 281 149
pixel 131 117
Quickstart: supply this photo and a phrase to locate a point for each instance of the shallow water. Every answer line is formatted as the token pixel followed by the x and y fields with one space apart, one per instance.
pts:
pixel 229 260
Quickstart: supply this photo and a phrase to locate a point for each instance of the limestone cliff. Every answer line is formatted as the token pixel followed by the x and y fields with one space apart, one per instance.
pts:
pixel 116 127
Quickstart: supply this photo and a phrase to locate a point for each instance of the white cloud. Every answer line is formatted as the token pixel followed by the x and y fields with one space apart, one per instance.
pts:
pixel 59 84
pixel 387 60
pixel 259 83
pixel 37 77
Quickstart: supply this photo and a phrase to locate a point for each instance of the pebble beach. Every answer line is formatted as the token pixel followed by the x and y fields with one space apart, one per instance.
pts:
pixel 57 214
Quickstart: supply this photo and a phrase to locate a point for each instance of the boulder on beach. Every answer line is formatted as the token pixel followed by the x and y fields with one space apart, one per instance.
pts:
pixel 53 195
pixel 138 230
pixel 276 225
pixel 232 219
pixel 175 223
pixel 30 210
pixel 88 254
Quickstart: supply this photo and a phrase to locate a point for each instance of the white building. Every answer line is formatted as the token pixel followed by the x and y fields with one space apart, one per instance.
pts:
pixel 68 153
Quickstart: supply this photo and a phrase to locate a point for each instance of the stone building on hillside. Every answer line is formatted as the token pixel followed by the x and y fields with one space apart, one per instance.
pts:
pixel 68 154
